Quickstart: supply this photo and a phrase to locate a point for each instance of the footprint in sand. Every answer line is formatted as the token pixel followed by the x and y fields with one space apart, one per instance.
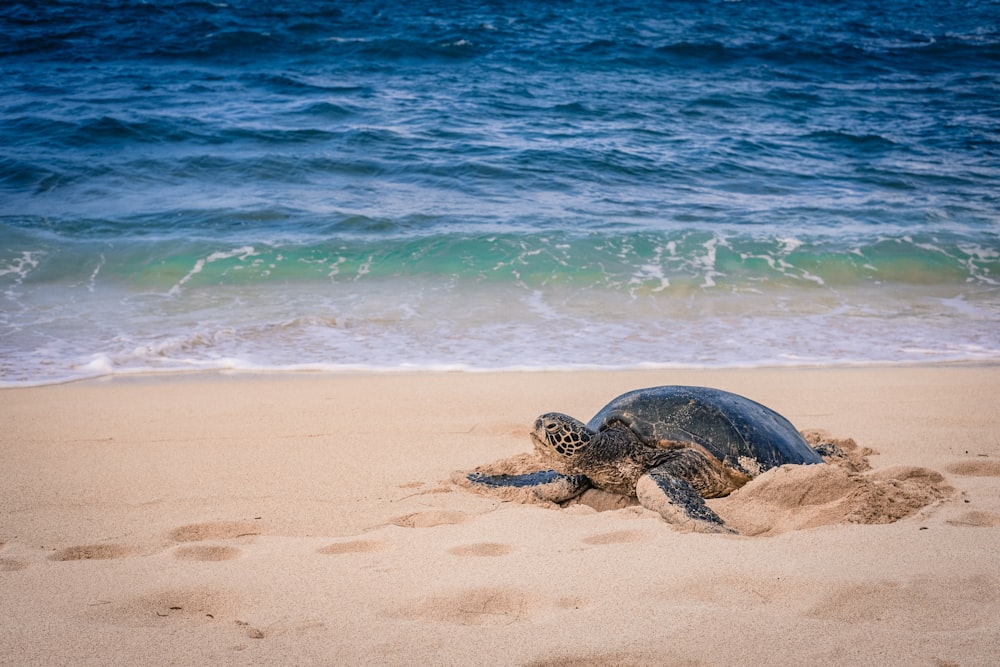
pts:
pixel 619 659
pixel 976 468
pixel 476 606
pixel 619 537
pixel 12 565
pixel 187 604
pixel 482 549
pixel 976 520
pixel 972 600
pixel 355 547
pixel 207 553
pixel 215 530
pixel 489 606
pixel 429 519
pixel 93 552
pixel 573 602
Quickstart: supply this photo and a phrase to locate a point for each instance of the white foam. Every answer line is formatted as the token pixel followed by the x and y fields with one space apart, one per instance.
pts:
pixel 335 267
pixel 20 267
pixel 434 324
pixel 348 40
pixel 652 270
pixel 977 254
pixel 365 267
pixel 707 262
pixel 99 364
pixel 789 244
pixel 92 285
pixel 242 253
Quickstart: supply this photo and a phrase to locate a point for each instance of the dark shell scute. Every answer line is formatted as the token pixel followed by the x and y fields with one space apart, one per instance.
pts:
pixel 739 432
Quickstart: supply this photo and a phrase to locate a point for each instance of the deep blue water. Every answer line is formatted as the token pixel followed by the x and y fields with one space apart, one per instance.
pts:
pixel 482 185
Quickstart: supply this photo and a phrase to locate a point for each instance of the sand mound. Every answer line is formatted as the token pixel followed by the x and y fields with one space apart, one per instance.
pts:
pixel 843 491
pixel 797 497
pixel 843 452
pixel 787 498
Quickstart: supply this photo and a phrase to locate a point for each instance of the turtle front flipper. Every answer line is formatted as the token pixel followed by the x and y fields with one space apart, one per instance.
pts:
pixel 665 490
pixel 545 484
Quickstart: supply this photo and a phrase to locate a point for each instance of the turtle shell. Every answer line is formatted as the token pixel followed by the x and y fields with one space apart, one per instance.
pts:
pixel 741 433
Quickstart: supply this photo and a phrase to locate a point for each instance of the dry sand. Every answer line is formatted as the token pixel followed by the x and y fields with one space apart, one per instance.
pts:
pixel 310 520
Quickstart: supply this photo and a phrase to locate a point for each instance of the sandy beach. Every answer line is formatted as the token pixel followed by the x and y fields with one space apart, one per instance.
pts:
pixel 311 519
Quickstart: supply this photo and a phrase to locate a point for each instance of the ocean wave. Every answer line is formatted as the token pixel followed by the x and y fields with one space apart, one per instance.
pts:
pixel 693 34
pixel 493 301
pixel 864 143
pixel 422 326
pixel 374 249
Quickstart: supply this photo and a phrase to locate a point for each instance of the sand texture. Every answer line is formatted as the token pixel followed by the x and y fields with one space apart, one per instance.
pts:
pixel 318 520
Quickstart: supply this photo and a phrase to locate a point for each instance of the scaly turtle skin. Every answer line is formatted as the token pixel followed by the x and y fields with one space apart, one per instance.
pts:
pixel 671 447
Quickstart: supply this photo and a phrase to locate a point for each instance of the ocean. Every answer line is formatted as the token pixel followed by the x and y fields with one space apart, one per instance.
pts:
pixel 303 185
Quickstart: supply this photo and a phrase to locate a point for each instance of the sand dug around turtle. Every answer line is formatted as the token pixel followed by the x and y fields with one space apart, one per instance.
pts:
pixel 791 497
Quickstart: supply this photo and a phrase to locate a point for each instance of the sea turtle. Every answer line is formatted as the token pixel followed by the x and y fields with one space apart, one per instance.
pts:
pixel 670 447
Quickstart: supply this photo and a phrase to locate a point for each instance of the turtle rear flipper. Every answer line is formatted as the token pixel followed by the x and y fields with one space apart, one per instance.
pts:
pixel 677 501
pixel 546 484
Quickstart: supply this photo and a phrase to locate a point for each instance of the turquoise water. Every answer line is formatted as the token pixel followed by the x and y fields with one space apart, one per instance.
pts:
pixel 315 185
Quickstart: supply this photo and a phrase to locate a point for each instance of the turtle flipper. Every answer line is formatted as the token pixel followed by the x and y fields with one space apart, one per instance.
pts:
pixel 544 484
pixel 661 490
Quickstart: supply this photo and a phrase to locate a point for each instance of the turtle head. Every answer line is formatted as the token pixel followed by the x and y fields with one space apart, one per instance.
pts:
pixel 556 433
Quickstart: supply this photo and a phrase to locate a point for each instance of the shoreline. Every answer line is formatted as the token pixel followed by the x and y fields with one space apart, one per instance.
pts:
pixel 309 518
pixel 237 374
